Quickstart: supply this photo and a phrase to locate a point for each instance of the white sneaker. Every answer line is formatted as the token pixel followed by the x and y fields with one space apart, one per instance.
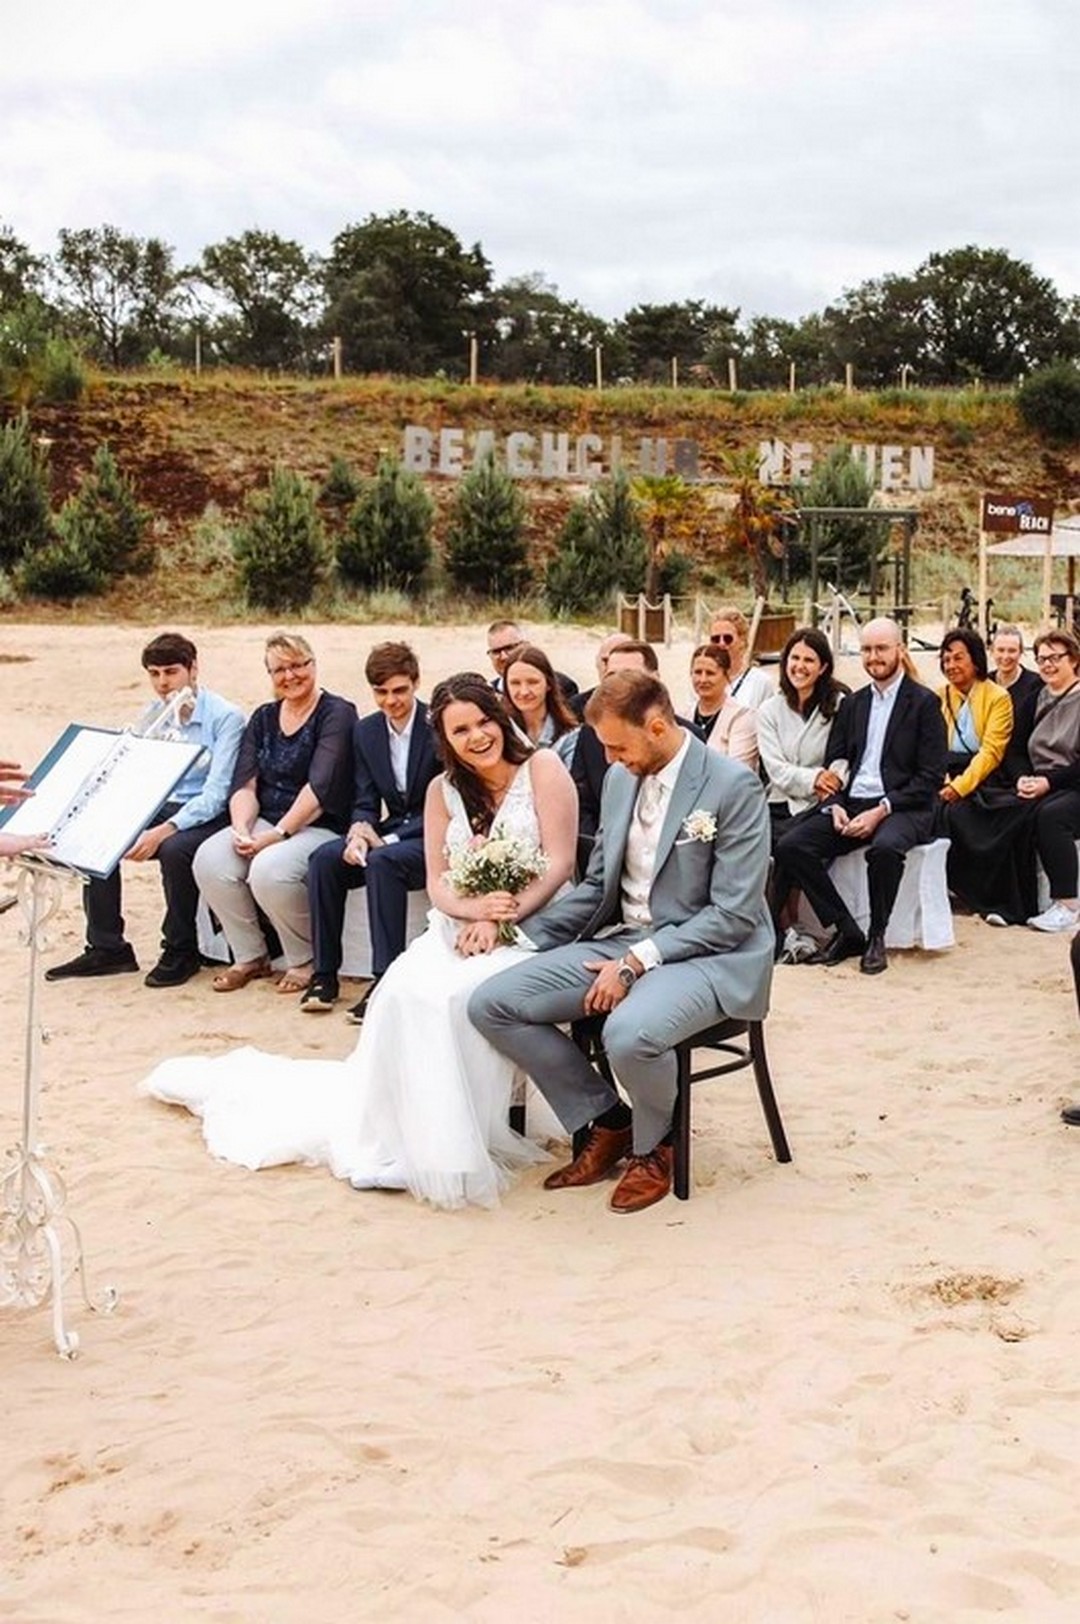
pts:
pixel 998 919
pixel 1056 917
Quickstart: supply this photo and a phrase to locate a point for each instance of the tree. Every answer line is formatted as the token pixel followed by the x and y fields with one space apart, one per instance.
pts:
pixel 694 334
pixel 842 481
pixel 269 283
pixel 486 551
pixel 281 546
pixel 541 337
pixel 758 522
pixel 121 291
pixel 876 328
pixel 21 272
pixel 387 539
pixel 600 551
pixel 24 492
pixel 985 315
pixel 671 511
pixel 1049 402
pixel 402 294
pixel 104 522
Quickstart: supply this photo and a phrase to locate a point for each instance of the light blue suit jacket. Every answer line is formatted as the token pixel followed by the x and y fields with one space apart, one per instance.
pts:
pixel 708 896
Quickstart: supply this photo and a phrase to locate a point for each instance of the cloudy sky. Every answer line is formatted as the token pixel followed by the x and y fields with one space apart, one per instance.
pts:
pixel 762 153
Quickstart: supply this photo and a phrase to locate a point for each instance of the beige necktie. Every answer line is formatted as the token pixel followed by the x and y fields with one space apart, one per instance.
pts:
pixel 649 801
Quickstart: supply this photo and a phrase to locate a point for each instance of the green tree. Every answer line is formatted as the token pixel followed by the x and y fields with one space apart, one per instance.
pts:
pixel 486 550
pixel 540 336
pixel 601 550
pixel 757 523
pixel 876 328
pixel 280 547
pixel 270 288
pixel 21 272
pixel 985 315
pixel 104 523
pixel 402 293
pixel 697 335
pixel 121 292
pixel 24 492
pixel 841 480
pixel 387 539
pixel 1049 402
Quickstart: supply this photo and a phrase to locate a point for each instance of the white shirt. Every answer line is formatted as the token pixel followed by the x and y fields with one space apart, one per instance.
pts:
pixel 399 750
pixel 867 784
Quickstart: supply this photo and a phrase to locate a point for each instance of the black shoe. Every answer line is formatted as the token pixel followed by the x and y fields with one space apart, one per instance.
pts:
pixel 320 994
pixel 95 961
pixel 1071 1115
pixel 874 960
pixel 844 945
pixel 355 1015
pixel 173 969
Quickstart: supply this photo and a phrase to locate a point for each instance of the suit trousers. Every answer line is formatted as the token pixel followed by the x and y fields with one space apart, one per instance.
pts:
pixel 390 873
pixel 804 853
pixel 236 887
pixel 520 1012
pixel 103 899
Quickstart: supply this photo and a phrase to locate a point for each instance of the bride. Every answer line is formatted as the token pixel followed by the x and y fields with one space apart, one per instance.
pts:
pixel 422 1101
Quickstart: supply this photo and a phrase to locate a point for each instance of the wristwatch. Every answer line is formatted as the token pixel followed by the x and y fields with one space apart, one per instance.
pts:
pixel 286 834
pixel 626 975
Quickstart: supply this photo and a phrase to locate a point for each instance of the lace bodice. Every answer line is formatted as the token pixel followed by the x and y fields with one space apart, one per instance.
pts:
pixel 516 816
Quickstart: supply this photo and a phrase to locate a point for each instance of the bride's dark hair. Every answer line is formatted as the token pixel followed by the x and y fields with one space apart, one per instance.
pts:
pixel 469 688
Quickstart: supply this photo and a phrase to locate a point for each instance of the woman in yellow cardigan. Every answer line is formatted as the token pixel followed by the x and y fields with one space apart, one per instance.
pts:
pixel 978 714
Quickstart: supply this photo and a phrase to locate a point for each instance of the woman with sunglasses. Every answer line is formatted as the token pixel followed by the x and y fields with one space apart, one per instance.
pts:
pixel 730 629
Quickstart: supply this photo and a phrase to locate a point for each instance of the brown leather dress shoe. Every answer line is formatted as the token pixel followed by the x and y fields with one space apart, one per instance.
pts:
pixel 604 1149
pixel 647 1179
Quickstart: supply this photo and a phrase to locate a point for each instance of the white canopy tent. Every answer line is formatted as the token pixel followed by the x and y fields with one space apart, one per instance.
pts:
pixel 1062 542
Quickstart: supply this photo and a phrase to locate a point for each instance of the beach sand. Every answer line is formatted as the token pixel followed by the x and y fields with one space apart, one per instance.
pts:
pixel 840 1390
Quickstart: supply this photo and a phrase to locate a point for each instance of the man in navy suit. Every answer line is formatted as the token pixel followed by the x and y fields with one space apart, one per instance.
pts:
pixel 888 741
pixel 384 847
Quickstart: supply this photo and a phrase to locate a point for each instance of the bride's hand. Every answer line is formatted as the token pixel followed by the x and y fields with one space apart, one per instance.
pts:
pixel 498 905
pixel 479 936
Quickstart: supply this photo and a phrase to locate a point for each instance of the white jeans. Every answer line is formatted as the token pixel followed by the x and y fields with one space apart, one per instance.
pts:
pixel 275 880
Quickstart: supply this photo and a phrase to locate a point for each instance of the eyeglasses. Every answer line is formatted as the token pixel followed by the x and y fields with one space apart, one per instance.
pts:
pixel 503 648
pixel 1053 658
pixel 727 638
pixel 294 670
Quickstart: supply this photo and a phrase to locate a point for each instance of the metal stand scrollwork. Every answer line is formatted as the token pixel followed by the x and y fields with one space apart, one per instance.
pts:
pixel 32 1264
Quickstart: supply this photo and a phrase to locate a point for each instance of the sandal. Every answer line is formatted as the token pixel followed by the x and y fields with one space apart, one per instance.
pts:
pixel 238 975
pixel 296 979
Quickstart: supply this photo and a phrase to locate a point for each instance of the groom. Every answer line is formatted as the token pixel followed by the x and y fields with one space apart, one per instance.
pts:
pixel 667 933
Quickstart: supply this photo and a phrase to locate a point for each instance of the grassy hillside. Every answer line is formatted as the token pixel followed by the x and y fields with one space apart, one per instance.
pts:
pixel 196 447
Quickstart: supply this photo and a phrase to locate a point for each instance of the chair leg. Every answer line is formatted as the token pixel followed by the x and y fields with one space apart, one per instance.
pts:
pixel 756 1036
pixel 680 1124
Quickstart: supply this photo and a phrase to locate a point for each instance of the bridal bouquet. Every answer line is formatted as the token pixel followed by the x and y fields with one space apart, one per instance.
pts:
pixel 498 863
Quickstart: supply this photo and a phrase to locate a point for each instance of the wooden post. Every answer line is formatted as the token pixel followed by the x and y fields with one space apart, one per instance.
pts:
pixel 674 372
pixel 599 369
pixel 474 356
pixel 335 351
pixel 1048 579
pixel 791 378
pixel 983 592
pixel 755 622
pixel 732 374
pixel 849 377
pixel 198 352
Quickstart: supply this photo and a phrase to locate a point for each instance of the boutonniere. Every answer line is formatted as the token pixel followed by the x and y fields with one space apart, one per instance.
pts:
pixel 698 825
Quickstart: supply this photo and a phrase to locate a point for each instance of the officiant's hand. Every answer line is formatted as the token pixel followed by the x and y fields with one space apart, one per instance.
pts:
pixel 478 936
pixel 12 779
pixel 12 845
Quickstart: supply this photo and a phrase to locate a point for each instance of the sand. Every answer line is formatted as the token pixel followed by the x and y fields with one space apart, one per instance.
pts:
pixel 845 1389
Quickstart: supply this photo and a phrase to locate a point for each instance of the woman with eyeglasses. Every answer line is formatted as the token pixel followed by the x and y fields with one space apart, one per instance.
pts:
pixel 1007 824
pixel 730 629
pixel 292 790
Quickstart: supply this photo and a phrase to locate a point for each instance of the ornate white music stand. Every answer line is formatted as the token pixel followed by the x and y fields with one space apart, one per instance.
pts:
pixel 32 1197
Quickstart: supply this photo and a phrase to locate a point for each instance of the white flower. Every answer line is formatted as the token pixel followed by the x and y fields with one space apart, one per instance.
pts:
pixel 699 825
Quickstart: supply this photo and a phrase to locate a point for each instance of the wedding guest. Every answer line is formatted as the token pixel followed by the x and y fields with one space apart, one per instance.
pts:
pixel 730 629
pixel 423 1101
pixel 978 714
pixel 1023 687
pixel 534 702
pixel 725 725
pixel 504 637
pixel 793 726
pixel 291 792
pixel 194 812
pixel 607 644
pixel 383 850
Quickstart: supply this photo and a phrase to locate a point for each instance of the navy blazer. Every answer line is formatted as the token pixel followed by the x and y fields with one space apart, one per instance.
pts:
pixel 377 799
pixel 915 750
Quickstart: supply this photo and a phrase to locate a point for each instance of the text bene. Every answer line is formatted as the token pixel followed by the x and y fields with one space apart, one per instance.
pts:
pixel 551 454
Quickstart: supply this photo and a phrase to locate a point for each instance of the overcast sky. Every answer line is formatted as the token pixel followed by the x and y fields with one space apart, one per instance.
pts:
pixel 761 153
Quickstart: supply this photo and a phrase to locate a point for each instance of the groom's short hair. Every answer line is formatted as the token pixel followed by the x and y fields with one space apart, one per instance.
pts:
pixel 631 696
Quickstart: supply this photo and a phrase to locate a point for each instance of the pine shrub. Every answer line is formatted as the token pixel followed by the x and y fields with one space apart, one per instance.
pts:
pixel 281 547
pixel 24 492
pixel 841 480
pixel 61 569
pixel 600 551
pixel 103 524
pixel 486 550
pixel 387 540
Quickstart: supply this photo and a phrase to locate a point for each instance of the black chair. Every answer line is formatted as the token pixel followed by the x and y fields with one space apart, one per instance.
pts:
pixel 742 1041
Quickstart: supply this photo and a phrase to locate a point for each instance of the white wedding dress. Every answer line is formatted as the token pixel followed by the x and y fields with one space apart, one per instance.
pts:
pixel 422 1093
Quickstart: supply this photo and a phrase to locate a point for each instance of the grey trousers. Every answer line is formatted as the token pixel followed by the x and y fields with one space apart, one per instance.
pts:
pixel 275 879
pixel 520 1010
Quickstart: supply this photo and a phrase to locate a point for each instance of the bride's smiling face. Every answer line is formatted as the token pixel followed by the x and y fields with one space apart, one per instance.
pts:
pixel 474 738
